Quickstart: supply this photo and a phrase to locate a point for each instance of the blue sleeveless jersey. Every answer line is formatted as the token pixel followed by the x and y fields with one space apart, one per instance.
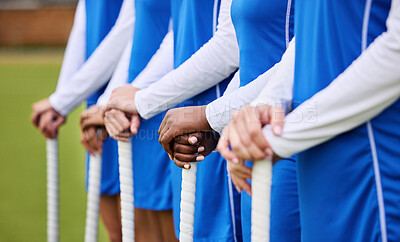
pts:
pixel 349 187
pixel 217 205
pixel 100 18
pixel 152 185
pixel 263 29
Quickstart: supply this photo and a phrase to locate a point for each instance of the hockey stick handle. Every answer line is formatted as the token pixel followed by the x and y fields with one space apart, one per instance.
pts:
pixel 126 184
pixel 261 200
pixel 188 196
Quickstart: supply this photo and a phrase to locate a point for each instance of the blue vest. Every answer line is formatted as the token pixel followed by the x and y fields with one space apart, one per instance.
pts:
pixel 193 27
pixel 151 24
pixel 262 40
pixel 339 180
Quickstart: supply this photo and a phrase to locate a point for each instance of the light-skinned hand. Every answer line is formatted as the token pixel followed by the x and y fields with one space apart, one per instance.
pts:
pixel 244 133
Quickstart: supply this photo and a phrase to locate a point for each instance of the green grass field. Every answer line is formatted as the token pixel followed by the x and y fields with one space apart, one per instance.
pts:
pixel 27 75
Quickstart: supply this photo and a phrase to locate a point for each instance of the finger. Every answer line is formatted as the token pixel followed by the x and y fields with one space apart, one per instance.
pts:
pixel 277 120
pixel 235 183
pixel 223 147
pixel 117 127
pixel 111 130
pixel 182 164
pixel 188 157
pixel 250 130
pixel 43 127
pixel 135 123
pixel 167 137
pixel 92 138
pixel 196 138
pixel 86 145
pixel 166 145
pixel 237 146
pixel 122 122
pixel 35 118
pixel 241 171
pixel 57 122
pixel 242 184
pixel 187 149
pixel 182 139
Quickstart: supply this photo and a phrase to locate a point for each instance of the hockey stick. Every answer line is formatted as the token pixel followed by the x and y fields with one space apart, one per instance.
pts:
pixel 261 200
pixel 126 184
pixel 52 190
pixel 188 195
pixel 93 199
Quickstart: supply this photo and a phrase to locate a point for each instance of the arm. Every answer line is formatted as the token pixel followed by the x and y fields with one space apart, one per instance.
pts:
pixel 120 75
pixel 276 82
pixel 74 55
pixel 368 86
pixel 215 61
pixel 98 69
pixel 160 64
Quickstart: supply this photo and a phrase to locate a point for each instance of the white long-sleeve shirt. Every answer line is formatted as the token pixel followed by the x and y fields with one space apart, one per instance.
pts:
pixel 75 53
pixel 368 86
pixel 275 86
pixel 148 75
pixel 120 75
pixel 211 64
pixel 97 70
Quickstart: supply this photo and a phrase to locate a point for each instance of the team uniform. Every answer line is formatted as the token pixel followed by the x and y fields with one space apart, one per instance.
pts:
pixel 341 192
pixel 215 212
pixel 100 18
pixel 152 182
pixel 348 92
pixel 99 27
pixel 263 30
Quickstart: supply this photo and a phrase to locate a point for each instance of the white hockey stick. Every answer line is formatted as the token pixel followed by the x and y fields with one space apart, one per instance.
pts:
pixel 261 200
pixel 52 190
pixel 188 195
pixel 93 199
pixel 126 184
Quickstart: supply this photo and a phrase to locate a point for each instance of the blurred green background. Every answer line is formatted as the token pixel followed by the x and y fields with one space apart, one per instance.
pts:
pixel 28 75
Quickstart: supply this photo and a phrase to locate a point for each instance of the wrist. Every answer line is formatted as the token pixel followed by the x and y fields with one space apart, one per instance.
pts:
pixel 203 118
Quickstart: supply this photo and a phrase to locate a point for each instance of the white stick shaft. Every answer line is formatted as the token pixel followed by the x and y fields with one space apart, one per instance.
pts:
pixel 126 184
pixel 261 200
pixel 188 195
pixel 93 199
pixel 52 190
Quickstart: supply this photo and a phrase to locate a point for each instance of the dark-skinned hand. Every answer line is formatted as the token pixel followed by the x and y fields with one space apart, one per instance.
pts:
pixel 180 121
pixel 193 147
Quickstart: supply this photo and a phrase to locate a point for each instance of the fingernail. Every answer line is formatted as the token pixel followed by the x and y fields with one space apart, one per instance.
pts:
pixel 186 167
pixel 200 149
pixel 193 140
pixel 199 158
pixel 278 130
pixel 235 160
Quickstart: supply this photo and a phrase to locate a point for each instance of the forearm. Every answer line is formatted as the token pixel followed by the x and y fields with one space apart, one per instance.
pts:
pixel 97 70
pixel 214 62
pixel 74 55
pixel 120 75
pixel 367 87
pixel 274 87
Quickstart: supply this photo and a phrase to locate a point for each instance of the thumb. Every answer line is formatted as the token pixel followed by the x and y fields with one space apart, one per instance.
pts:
pixel 135 123
pixel 277 120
